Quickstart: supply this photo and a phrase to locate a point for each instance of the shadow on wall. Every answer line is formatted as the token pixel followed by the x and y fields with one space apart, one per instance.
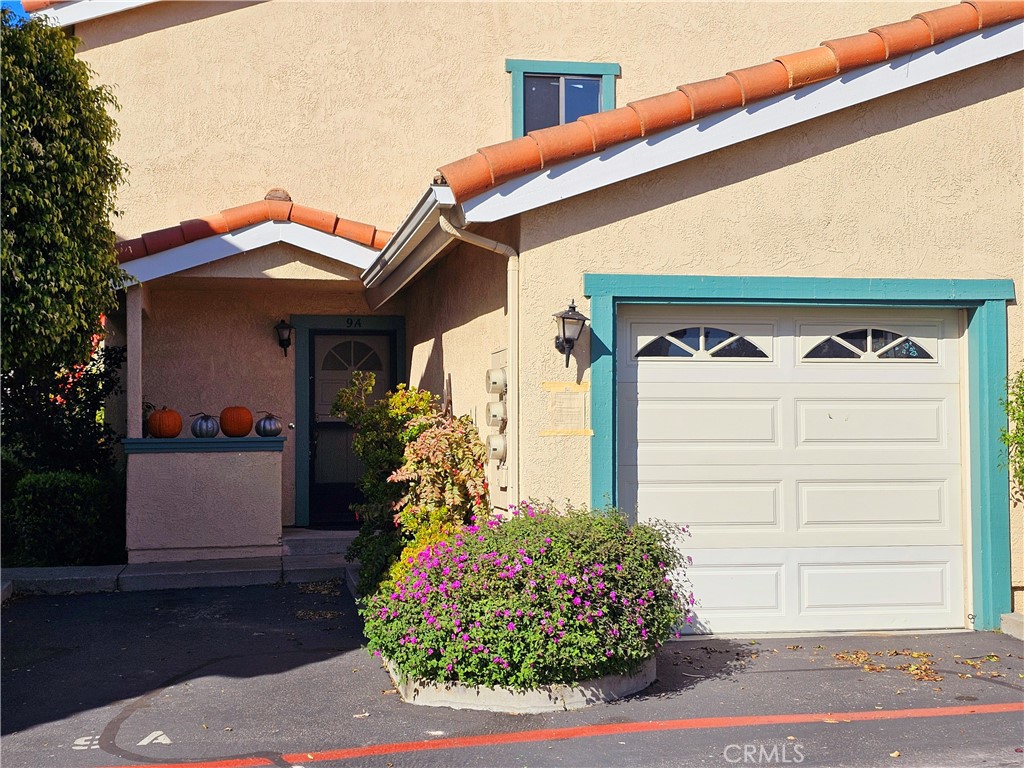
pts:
pixel 157 16
pixel 784 148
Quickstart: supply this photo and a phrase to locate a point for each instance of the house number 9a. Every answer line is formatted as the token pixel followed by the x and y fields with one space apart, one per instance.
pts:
pixel 353 322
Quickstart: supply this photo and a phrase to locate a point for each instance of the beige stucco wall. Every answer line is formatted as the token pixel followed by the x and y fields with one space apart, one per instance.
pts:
pixel 202 506
pixel 209 343
pixel 457 325
pixel 924 184
pixel 352 106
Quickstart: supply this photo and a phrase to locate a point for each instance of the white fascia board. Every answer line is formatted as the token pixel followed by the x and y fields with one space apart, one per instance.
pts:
pixel 410 233
pixel 640 156
pixel 211 249
pixel 66 14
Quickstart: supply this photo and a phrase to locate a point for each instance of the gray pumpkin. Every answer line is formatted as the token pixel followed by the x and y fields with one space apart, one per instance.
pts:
pixel 205 425
pixel 269 426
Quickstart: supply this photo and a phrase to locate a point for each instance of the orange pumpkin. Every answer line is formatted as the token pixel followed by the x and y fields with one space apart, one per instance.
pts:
pixel 165 422
pixel 236 421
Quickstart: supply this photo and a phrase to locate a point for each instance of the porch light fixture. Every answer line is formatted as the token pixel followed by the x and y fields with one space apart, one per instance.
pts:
pixel 570 325
pixel 284 335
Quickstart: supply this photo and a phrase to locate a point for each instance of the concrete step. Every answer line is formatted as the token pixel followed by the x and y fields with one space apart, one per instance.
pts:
pixel 60 581
pixel 298 569
pixel 237 572
pixel 1012 624
pixel 304 541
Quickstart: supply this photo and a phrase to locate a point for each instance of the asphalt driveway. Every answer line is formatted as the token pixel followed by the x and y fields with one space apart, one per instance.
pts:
pixel 277 676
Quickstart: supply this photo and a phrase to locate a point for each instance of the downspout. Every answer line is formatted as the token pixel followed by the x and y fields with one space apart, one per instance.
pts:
pixel 512 301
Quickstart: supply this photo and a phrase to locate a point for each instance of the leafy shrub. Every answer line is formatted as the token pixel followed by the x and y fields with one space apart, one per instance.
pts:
pixel 1013 438
pixel 382 430
pixel 68 518
pixel 543 597
pixel 445 486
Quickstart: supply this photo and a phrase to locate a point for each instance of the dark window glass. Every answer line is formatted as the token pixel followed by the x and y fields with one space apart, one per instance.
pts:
pixel 739 347
pixel 352 355
pixel 859 339
pixel 582 97
pixel 830 349
pixel 880 338
pixel 540 102
pixel 689 336
pixel 906 349
pixel 662 347
pixel 715 336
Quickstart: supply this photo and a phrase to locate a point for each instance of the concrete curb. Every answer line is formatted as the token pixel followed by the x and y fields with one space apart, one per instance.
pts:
pixel 549 698
pixel 137 577
pixel 6 590
pixel 1012 624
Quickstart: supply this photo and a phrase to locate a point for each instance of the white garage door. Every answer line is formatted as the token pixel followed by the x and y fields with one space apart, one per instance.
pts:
pixel 814 454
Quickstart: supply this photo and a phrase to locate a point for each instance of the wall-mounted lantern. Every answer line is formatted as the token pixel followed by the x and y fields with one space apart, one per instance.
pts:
pixel 570 325
pixel 284 335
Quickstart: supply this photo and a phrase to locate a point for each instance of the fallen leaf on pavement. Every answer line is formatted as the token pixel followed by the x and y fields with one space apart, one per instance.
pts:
pixel 362 714
pixel 794 647
pixel 894 754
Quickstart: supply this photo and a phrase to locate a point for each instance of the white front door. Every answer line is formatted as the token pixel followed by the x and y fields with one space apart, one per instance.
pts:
pixel 815 455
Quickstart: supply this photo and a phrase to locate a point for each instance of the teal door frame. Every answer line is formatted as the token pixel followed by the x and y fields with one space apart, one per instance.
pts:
pixel 305 325
pixel 985 305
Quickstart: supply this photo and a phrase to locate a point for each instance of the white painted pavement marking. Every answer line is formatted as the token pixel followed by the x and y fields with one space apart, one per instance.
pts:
pixel 156 737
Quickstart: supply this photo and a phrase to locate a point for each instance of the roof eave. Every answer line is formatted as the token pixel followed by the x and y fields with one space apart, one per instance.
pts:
pixel 417 241
pixel 640 156
pixel 77 11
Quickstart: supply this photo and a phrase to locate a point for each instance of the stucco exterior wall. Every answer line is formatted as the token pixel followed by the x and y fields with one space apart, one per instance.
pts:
pixel 201 506
pixel 457 324
pixel 923 184
pixel 352 106
pixel 210 343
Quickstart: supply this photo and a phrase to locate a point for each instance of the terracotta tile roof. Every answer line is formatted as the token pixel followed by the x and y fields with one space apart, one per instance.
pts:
pixel 31 6
pixel 276 206
pixel 494 165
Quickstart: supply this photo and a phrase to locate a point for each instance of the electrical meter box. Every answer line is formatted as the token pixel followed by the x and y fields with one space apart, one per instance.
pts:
pixel 497 384
pixel 496 447
pixel 496 414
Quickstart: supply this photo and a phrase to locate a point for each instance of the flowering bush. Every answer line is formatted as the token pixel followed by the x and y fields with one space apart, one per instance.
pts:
pixel 444 477
pixel 543 597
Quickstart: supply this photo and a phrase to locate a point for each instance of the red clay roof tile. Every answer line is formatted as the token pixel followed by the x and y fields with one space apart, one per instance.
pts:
pixel 163 239
pixel 612 127
pixel 709 96
pixel 813 66
pixel 314 218
pixel 207 226
pixel 657 113
pixel 560 143
pixel 761 81
pixel 904 37
pixel 129 250
pixel 493 165
pixel 31 6
pixel 857 51
pixel 992 12
pixel 511 158
pixel 277 206
pixel 945 23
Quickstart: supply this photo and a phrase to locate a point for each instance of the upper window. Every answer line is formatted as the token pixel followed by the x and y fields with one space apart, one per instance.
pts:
pixel 547 93
pixel 868 344
pixel 702 343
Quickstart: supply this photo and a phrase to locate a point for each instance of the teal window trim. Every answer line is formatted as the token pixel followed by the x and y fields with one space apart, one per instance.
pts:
pixel 985 304
pixel 304 325
pixel 520 67
pixel 203 445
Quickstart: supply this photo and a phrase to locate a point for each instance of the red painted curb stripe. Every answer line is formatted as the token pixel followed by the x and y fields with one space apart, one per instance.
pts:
pixel 613 729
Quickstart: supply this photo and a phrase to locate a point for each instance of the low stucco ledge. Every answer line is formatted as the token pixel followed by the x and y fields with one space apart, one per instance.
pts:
pixel 1012 624
pixel 548 698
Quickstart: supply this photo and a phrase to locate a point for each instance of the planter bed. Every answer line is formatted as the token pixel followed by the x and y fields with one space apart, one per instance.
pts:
pixel 548 698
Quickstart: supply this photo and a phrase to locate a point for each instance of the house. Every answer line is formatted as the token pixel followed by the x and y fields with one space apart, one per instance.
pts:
pixel 800 276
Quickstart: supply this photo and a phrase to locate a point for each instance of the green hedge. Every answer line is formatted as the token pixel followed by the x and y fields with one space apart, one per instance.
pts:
pixel 66 518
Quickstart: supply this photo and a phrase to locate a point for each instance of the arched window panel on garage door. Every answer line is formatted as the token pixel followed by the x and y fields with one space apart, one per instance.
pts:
pixel 869 344
pixel 702 342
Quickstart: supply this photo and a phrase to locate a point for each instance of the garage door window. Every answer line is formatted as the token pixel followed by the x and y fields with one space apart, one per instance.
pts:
pixel 868 344
pixel 702 342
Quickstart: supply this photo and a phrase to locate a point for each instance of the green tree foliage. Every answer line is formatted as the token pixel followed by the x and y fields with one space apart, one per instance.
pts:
pixel 58 179
pixel 1013 438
